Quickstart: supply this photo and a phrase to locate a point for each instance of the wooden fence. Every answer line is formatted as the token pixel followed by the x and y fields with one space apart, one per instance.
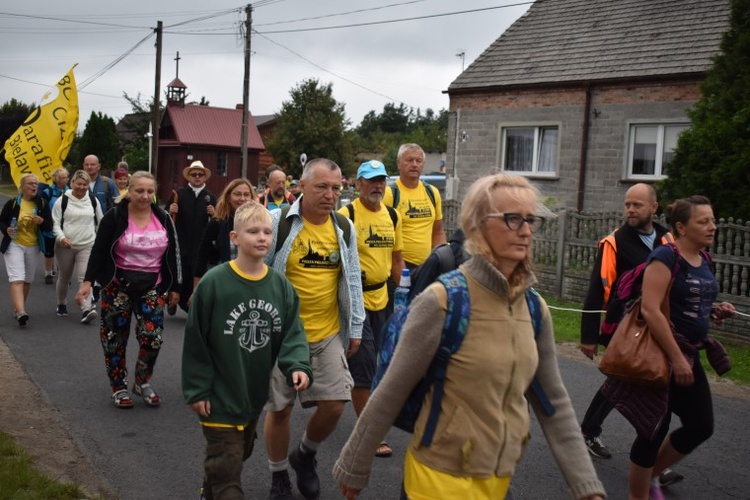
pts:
pixel 565 251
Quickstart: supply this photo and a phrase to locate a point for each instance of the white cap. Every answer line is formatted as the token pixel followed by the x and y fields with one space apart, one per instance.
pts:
pixel 405 278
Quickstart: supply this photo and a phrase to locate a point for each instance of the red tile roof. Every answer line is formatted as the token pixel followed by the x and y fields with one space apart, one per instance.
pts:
pixel 211 126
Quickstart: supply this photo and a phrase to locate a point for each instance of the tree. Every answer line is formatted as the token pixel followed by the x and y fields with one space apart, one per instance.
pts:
pixel 380 135
pixel 100 138
pixel 713 155
pixel 311 122
pixel 134 141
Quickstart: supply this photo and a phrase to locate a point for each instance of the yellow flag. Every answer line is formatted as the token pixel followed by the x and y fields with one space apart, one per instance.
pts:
pixel 42 142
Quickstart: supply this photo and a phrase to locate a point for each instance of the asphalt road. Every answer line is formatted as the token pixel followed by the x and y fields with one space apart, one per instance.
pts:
pixel 149 453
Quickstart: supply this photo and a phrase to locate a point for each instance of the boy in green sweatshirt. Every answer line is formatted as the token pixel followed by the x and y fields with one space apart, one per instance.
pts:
pixel 243 317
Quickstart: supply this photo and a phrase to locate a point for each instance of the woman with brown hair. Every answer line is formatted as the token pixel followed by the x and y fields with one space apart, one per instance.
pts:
pixel 215 246
pixel 683 270
pixel 483 425
pixel 136 259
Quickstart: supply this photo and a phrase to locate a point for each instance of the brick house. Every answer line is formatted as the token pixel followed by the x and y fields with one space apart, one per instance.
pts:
pixel 585 97
pixel 266 128
pixel 190 132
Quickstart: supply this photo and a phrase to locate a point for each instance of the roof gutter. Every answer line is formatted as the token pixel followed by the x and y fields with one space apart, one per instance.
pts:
pixel 584 148
pixel 678 77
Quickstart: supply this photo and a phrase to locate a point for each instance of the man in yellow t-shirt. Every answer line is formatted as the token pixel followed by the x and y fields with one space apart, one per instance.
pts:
pixel 379 246
pixel 422 214
pixel 316 249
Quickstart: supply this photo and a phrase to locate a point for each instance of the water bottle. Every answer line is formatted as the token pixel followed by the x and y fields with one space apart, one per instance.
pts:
pixel 401 295
pixel 14 227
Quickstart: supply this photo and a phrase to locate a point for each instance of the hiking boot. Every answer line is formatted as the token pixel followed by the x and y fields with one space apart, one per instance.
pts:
pixel 668 477
pixel 596 447
pixel 307 479
pixel 62 310
pixel 281 487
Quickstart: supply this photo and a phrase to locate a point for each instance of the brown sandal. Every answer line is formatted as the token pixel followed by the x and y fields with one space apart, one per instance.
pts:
pixel 383 451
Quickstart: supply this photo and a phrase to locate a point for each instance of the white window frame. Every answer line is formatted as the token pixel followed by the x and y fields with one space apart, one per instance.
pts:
pixel 661 126
pixel 536 127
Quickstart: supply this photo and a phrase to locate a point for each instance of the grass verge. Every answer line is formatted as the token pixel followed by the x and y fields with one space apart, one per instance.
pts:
pixel 19 479
pixel 568 329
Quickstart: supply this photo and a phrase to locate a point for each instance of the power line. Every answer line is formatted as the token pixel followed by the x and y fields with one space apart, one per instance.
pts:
pixel 389 21
pixel 111 65
pixel 329 71
pixel 342 13
pixel 206 17
pixel 77 21
pixel 48 86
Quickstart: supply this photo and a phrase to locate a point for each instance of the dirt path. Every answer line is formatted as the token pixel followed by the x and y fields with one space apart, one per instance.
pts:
pixel 37 426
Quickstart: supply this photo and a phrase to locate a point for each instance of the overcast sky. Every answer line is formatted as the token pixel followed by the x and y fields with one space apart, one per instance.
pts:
pixel 411 61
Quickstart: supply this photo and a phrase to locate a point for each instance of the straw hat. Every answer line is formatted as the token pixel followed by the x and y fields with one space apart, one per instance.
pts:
pixel 196 165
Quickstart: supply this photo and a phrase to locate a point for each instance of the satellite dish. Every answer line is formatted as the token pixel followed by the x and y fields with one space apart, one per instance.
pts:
pixel 303 159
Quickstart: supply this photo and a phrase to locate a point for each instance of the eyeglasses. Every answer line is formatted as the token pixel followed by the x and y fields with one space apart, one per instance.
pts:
pixel 514 221
pixel 197 174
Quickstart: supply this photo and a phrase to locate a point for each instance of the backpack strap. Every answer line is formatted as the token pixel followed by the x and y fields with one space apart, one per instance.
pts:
pixel 285 227
pixel 392 212
pixel 350 209
pixel 535 309
pixel 454 331
pixel 63 206
pixel 430 193
pixel 93 200
pixel 110 200
pixel 397 194
pixel 343 223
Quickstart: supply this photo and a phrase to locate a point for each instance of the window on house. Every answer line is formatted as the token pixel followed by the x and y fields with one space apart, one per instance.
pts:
pixel 530 150
pixel 221 164
pixel 651 148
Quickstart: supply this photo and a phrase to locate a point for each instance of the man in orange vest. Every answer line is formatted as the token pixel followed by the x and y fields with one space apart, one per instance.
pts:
pixel 276 194
pixel 622 250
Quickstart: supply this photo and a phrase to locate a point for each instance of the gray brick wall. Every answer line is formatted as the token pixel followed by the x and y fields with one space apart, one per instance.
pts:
pixel 481 117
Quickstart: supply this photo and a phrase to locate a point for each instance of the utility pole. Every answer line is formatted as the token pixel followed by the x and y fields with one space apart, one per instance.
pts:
pixel 246 88
pixel 156 114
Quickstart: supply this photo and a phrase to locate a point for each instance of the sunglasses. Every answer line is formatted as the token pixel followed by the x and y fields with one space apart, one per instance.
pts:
pixel 514 221
pixel 197 174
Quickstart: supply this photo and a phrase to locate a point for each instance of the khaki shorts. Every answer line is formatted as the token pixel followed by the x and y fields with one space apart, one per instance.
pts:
pixel 331 378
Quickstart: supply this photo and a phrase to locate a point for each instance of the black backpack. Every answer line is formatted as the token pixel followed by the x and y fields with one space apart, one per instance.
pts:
pixel 285 226
pixel 64 201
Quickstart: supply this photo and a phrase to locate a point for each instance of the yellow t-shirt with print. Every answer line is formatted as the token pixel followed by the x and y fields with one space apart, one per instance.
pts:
pixel 418 215
pixel 27 234
pixel 313 267
pixel 377 239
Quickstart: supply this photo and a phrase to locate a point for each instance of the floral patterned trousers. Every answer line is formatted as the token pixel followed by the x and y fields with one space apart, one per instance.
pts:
pixel 117 307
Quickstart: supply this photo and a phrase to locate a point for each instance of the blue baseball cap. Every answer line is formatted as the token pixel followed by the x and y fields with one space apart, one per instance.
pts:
pixel 370 169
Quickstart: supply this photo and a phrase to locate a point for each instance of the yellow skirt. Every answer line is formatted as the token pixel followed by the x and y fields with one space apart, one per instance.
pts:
pixel 423 483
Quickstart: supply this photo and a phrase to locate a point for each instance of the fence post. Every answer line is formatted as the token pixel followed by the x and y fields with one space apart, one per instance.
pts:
pixel 562 231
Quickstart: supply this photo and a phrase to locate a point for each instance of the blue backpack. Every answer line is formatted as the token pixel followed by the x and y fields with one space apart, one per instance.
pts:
pixel 454 330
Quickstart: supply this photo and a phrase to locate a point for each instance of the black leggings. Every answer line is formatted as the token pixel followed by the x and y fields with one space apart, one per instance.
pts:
pixel 694 406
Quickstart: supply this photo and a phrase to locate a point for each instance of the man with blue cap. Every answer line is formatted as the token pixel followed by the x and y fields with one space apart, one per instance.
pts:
pixel 379 246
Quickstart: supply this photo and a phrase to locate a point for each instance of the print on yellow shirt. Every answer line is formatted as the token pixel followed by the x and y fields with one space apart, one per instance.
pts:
pixel 313 267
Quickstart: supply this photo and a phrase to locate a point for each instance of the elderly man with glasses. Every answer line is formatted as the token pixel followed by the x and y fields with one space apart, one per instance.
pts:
pixel 191 207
